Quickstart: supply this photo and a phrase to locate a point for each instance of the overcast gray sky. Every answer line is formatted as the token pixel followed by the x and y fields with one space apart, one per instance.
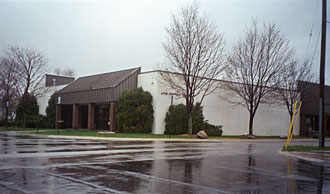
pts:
pixel 106 35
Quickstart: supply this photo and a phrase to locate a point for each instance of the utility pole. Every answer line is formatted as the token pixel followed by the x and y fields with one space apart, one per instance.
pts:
pixel 322 69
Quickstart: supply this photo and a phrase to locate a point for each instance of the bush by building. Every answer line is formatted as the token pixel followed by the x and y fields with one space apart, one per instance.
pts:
pixel 176 121
pixel 30 115
pixel 135 111
pixel 49 120
pixel 212 130
pixel 11 123
pixel 198 118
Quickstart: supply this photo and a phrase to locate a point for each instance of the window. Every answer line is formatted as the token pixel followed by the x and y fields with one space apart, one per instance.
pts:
pixel 312 123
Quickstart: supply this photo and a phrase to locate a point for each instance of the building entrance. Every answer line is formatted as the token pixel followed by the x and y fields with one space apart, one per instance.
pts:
pixel 102 117
pixel 83 116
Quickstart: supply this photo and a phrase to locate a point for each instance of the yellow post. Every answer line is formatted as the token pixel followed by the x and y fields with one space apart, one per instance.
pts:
pixel 295 121
pixel 294 111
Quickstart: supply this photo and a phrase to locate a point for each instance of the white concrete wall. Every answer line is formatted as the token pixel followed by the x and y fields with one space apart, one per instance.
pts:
pixel 43 100
pixel 269 120
pixel 46 94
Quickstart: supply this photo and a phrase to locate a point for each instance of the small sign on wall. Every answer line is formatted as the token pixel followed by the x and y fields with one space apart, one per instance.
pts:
pixel 59 100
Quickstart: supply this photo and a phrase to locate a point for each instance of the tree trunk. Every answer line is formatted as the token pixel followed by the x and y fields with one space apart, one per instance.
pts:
pixel 190 124
pixel 23 119
pixel 24 108
pixel 189 109
pixel 6 119
pixel 251 123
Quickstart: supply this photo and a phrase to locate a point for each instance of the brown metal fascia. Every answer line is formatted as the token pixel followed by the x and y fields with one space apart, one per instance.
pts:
pixel 59 92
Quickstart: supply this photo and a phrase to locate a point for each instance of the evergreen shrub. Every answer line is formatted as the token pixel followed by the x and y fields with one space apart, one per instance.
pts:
pixel 49 120
pixel 31 112
pixel 135 111
pixel 177 120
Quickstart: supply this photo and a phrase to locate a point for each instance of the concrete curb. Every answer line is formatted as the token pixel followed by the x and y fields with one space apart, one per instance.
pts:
pixel 296 155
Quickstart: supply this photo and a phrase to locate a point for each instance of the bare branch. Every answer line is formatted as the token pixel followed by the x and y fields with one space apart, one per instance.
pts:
pixel 9 78
pixel 57 71
pixel 255 63
pixel 65 72
pixel 293 81
pixel 69 72
pixel 31 67
pixel 194 54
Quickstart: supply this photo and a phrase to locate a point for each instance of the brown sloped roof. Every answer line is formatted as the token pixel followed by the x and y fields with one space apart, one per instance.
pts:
pixel 100 81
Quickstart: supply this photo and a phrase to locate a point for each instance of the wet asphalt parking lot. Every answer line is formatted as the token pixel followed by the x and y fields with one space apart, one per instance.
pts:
pixel 32 164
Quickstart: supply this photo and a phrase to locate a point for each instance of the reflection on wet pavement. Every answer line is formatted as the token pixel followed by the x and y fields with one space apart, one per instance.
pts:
pixel 31 164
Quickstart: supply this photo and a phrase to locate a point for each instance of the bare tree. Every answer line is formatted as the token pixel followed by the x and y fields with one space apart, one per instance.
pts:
pixel 58 71
pixel 255 62
pixel 66 72
pixel 32 67
pixel 194 56
pixel 9 77
pixel 295 74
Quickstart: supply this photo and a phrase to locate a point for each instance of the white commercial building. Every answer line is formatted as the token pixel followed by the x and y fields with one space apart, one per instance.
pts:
pixel 90 102
pixel 270 120
pixel 50 85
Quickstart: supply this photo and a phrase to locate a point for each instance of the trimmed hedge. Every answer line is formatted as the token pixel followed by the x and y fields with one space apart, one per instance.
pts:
pixel 135 112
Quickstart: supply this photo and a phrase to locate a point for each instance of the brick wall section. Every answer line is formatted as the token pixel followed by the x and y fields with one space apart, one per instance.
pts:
pixel 113 116
pixel 75 116
pixel 91 114
pixel 57 115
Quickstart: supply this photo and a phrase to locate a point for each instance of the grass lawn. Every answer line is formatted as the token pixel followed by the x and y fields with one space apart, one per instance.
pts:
pixel 304 148
pixel 70 132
